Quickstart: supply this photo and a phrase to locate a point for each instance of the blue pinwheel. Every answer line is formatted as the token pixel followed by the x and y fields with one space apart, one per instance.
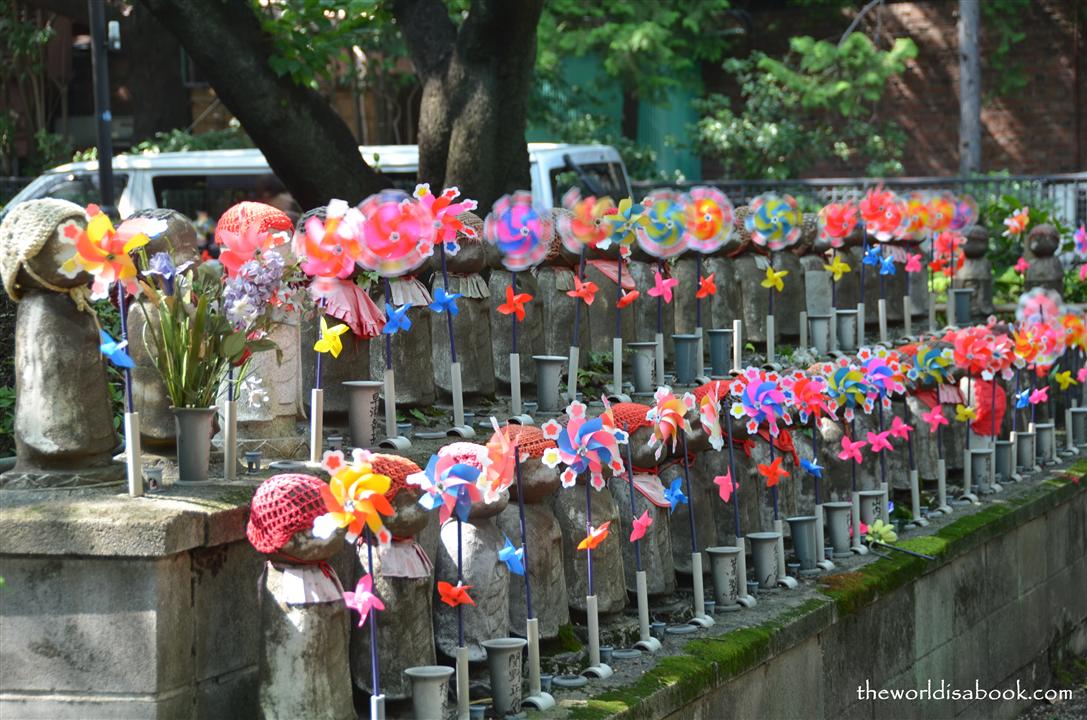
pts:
pixel 397 319
pixel 1022 399
pixel 115 351
pixel 887 266
pixel 444 302
pixel 448 486
pixel 812 467
pixel 584 445
pixel 674 494
pixel 513 557
pixel 872 256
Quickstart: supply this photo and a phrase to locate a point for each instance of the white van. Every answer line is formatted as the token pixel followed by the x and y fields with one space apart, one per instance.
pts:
pixel 202 184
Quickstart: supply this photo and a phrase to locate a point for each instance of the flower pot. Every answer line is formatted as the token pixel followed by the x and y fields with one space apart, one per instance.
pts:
pixel 686 349
pixel 1079 426
pixel 1003 459
pixel 726 581
pixel 362 402
pixel 847 330
pixel 871 506
pixel 429 689
pixel 642 362
pixel 1046 434
pixel 819 333
pixel 1026 444
pixel 720 348
pixel 764 556
pixel 802 528
pixel 838 527
pixel 959 306
pixel 194 428
pixel 548 378
pixel 504 664
pixel 981 460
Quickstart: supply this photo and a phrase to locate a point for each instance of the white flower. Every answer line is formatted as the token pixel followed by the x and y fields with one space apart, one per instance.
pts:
pixel 324 526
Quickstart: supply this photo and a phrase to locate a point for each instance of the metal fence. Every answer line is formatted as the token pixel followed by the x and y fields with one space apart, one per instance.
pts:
pixel 1066 194
pixel 10 186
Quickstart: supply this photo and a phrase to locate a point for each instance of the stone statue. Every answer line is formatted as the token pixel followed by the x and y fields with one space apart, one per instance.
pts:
pixel 976 271
pixel 1045 268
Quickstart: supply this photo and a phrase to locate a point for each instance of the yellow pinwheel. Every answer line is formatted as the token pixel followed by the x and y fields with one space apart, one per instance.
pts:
pixel 837 268
pixel 965 414
pixel 330 339
pixel 1065 379
pixel 774 279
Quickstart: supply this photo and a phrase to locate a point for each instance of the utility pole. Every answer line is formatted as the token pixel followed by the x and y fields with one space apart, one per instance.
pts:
pixel 969 87
pixel 100 65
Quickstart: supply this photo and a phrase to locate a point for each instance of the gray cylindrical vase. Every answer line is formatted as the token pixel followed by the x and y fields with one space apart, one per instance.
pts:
pixel 642 365
pixel 959 302
pixel 720 352
pixel 726 583
pixel 548 380
pixel 1079 426
pixel 1003 460
pixel 838 527
pixel 802 529
pixel 764 547
pixel 871 506
pixel 429 689
pixel 847 330
pixel 194 426
pixel 980 463
pixel 686 349
pixel 504 664
pixel 1046 439
pixel 362 399
pixel 819 333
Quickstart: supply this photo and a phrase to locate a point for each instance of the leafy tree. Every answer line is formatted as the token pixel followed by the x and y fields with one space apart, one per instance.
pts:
pixel 815 103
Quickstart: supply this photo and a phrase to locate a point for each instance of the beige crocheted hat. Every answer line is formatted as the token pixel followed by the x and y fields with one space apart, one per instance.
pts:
pixel 26 230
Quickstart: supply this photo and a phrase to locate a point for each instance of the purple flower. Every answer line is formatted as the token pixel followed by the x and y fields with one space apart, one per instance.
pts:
pixel 162 264
pixel 249 293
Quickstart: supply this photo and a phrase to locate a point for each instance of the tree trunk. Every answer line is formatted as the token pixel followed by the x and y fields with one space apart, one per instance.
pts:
pixel 475 88
pixel 306 143
pixel 154 72
pixel 969 87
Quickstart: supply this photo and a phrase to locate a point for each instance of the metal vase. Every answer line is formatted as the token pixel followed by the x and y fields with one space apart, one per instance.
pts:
pixel 362 410
pixel 838 527
pixel 504 664
pixel 548 379
pixel 764 555
pixel 1046 434
pixel 429 689
pixel 980 462
pixel 802 529
pixel 686 350
pixel 720 347
pixel 847 330
pixel 194 428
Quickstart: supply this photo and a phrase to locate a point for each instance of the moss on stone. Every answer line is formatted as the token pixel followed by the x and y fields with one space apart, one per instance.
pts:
pixel 971 523
pixel 926 544
pixel 566 640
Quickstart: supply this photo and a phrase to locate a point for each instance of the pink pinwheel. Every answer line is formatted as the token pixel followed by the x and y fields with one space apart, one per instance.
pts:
pixel 935 418
pixel 761 400
pixel 709 414
pixel 913 263
pixel 725 485
pixel 398 234
pixel 668 416
pixel 883 213
pixel 836 222
pixel 330 247
pixel 899 429
pixel 808 394
pixel 852 450
pixel 1021 265
pixel 966 213
pixel 363 600
pixel 641 524
pixel 1081 375
pixel 248 229
pixel 520 231
pixel 882 374
pixel 448 486
pixel 1040 395
pixel 878 441
pixel 445 212
pixel 498 471
pixel 1079 241
pixel 1038 306
pixel 662 287
pixel 584 445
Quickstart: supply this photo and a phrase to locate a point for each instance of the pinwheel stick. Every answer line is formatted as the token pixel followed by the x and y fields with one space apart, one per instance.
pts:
pixel 853 465
pixel 375 674
pixel 774 489
pixel 460 580
pixel 815 456
pixel 524 529
pixel 1015 398
pixel 133 461
pixel 732 473
pixel 124 339
pixel 690 496
pixel 633 507
pixel 513 317
pixel 589 531
pixel 448 314
pixel 571 381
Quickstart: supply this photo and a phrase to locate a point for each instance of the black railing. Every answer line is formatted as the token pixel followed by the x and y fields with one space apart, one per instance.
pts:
pixel 1065 194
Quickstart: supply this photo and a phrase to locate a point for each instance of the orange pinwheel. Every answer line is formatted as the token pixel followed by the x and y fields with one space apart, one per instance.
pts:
pixel 706 287
pixel 595 537
pixel 354 497
pixel 773 472
pixel 454 595
pixel 515 304
pixel 104 252
pixel 586 290
pixel 627 299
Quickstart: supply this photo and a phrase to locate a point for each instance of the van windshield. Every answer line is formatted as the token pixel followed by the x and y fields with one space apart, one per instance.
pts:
pixel 608 179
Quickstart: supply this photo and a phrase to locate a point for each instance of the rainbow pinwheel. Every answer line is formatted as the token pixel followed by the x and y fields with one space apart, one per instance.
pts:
pixel 397 235
pixel 445 212
pixel 625 221
pixel 709 415
pixel 709 219
pixel 941 211
pixel 662 228
pixel 761 399
pixel 917 221
pixel 584 445
pixel 846 389
pixel 330 247
pixel 807 394
pixel 965 214
pixel 104 252
pixel 1079 246
pixel 668 416
pixel 1016 223
pixel 587 225
pixel 931 365
pixel 521 233
pixel 882 374
pixel 836 222
pixel 774 222
pixel 354 497
pixel 448 486
pixel 883 213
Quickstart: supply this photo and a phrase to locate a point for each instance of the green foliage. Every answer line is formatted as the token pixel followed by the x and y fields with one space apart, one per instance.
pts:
pixel 7 421
pixel 1002 21
pixel 814 104
pixel 178 140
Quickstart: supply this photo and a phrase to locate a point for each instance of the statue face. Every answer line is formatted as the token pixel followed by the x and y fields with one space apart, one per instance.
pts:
pixel 304 546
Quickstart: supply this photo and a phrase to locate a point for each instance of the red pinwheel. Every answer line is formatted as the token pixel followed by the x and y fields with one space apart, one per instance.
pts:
pixel 706 287
pixel 445 212
pixel 773 472
pixel 596 536
pixel 515 304
pixel 883 213
pixel 586 290
pixel 454 595
pixel 836 222
pixel 627 298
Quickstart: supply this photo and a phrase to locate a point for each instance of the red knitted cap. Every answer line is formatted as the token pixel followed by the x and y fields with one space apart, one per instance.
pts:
pixel 396 468
pixel 630 415
pixel 529 439
pixel 722 389
pixel 282 506
pixel 266 217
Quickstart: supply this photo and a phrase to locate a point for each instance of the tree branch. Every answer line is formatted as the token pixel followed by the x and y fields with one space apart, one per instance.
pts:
pixel 857 19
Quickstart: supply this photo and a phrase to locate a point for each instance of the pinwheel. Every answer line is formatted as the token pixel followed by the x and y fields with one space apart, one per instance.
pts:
pixel 674 494
pixel 587 225
pixel 1021 266
pixel 882 374
pixel 918 218
pixel 513 557
pixel 398 233
pixel 662 287
pixel 668 416
pixel 627 298
pixel 774 279
pixel 965 414
pixel 521 232
pixel 913 263
pixel 363 600
pixel 812 467
pixel 448 486
pixel 105 253
pixel 498 471
pixel 624 225
pixel 515 304
pixel 331 247
pixel 883 213
pixel 760 400
pixel 725 485
pixel 584 445
pixel 899 429
pixel 807 394
pixel 596 536
pixel 1039 395
pixel 662 230
pixel 773 472
pixel 706 287
pixel 837 268
pixel 709 414
pixel 947 255
pixel 931 365
pixel 354 498
pixel 877 442
pixel 639 525
pixel 585 290
pixel 397 319
pixel 1038 306
pixel 846 388
pixel 837 222
pixel 444 211
pixel 935 418
pixel 851 450
pixel 1022 399
pixel 887 265
pixel 445 302
pixel 942 209
pixel 246 231
pixel 1064 379
pixel 709 219
pixel 1016 223
pixel 774 221
pixel 114 351
pixel 873 256
pixel 1079 246
pixel 965 213
pixel 454 595
pixel 330 342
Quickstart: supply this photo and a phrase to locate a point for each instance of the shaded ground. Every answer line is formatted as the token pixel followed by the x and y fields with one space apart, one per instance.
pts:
pixel 1071 674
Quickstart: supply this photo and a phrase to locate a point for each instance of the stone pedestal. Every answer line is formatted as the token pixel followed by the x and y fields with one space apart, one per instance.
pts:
pixel 602 311
pixel 608 571
pixel 544 568
pixel 705 502
pixel 723 311
pixel 790 302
